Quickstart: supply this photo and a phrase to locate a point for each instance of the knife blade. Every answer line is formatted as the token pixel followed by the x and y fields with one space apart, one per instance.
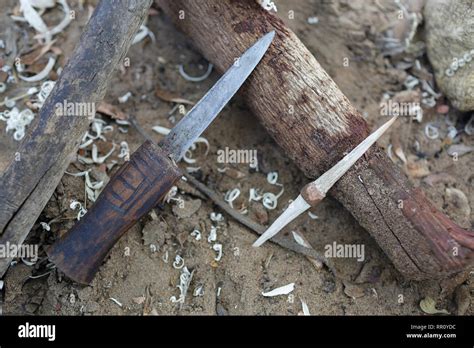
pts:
pixel 142 182
pixel 183 135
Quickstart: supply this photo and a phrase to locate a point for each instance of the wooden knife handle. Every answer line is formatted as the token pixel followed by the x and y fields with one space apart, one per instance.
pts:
pixel 132 192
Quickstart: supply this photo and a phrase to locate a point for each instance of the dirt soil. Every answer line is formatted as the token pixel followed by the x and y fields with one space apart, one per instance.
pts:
pixel 135 279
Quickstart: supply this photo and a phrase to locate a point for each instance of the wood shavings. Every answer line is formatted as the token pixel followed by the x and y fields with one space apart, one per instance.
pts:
pixel 198 291
pixel 17 121
pixel 170 97
pixel 231 196
pixel 7 101
pixel 452 132
pixel 122 122
pixel 101 159
pixel 304 308
pixel 299 239
pixel 270 200
pixel 117 302
pixel 272 178
pixel 33 18
pixel 123 99
pixel 212 235
pixel 198 78
pixel 217 247
pixel 43 4
pixel 184 282
pixel 82 211
pixel 268 5
pixel 92 188
pixel 313 216
pixel 431 131
pixel 254 195
pixel 196 234
pixel 178 262
pixel 143 32
pixel 124 151
pixel 283 290
pixel 45 90
pixel 171 194
pixel 45 226
pixel 61 26
pixel 216 217
pixel 41 75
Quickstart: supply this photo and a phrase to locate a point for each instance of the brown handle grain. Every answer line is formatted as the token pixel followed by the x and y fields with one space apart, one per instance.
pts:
pixel 133 191
pixel 323 125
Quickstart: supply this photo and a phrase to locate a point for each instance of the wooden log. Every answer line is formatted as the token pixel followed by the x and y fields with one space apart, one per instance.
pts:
pixel 28 184
pixel 315 124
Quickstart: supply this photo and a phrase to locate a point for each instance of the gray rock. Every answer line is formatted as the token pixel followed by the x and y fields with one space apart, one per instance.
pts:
pixel 449 37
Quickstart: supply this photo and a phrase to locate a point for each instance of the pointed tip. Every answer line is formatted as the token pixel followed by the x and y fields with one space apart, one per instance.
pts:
pixel 268 38
pixel 271 34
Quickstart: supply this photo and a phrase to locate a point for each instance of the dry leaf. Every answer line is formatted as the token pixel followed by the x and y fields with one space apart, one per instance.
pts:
pixel 418 169
pixel 111 111
pixel 170 97
pixel 428 305
pixel 36 54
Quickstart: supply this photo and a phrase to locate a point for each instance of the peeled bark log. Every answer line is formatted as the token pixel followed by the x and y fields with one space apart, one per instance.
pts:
pixel 28 184
pixel 315 124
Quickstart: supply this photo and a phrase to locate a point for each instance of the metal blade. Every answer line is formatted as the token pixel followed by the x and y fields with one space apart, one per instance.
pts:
pixel 328 179
pixel 183 135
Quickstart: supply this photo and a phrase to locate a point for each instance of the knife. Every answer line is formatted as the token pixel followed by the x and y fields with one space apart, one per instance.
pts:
pixel 315 191
pixel 143 182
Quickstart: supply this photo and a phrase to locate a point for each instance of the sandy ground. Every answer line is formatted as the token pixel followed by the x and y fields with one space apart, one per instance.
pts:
pixel 138 277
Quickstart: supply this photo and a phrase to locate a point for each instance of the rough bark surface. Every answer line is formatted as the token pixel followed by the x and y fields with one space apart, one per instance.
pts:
pixel 315 124
pixel 28 184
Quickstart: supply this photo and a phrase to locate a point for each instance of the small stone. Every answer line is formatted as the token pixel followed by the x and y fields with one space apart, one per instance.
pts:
pixel 91 307
pixel 187 208
pixel 138 300
pixel 353 291
pixel 458 206
pixel 329 286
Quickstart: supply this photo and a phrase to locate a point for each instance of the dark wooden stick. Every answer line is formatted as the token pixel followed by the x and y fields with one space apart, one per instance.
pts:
pixel 315 124
pixel 27 185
